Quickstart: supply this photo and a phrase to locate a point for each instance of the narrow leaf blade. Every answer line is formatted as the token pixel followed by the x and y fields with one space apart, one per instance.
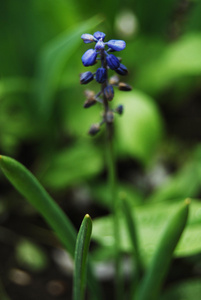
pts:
pixel 81 251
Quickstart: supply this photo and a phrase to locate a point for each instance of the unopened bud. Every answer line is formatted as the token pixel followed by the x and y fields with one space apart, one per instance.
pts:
pixel 109 92
pixel 114 80
pixel 119 109
pixel 124 86
pixel 109 116
pixel 88 103
pixel 94 129
pixel 122 70
pixel 89 94
pixel 86 77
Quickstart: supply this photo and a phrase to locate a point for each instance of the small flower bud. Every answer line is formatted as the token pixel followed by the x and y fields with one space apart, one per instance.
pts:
pixel 100 45
pixel 89 102
pixel 89 94
pixel 86 77
pixel 120 109
pixel 121 70
pixel 112 61
pixel 124 86
pixel 87 38
pixel 94 129
pixel 109 92
pixel 109 116
pixel 89 57
pixel 101 75
pixel 99 35
pixel 114 80
pixel 116 45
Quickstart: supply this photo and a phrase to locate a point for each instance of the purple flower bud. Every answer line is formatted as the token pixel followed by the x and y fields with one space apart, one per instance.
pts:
pixel 99 35
pixel 124 86
pixel 109 92
pixel 112 61
pixel 122 70
pixel 89 57
pixel 94 129
pixel 86 77
pixel 116 45
pixel 87 38
pixel 100 45
pixel 120 109
pixel 101 75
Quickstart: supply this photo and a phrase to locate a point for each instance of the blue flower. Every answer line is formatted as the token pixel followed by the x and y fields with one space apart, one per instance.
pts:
pixel 99 35
pixel 109 92
pixel 116 45
pixel 121 70
pixel 101 75
pixel 89 57
pixel 112 61
pixel 87 38
pixel 86 77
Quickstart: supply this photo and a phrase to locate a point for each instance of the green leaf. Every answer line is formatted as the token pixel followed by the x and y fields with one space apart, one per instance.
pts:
pixel 81 251
pixel 33 191
pixel 31 256
pixel 140 128
pixel 151 219
pixel 179 59
pixel 152 282
pixel 186 290
pixel 52 62
pixel 72 165
pixel 133 233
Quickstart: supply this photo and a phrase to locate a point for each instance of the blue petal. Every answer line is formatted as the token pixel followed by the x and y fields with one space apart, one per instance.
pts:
pixel 99 35
pixel 89 57
pixel 86 77
pixel 116 45
pixel 109 92
pixel 87 38
pixel 101 75
pixel 112 61
pixel 100 45
pixel 122 70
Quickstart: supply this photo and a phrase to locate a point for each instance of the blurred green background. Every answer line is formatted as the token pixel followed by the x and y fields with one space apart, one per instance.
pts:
pixel 44 126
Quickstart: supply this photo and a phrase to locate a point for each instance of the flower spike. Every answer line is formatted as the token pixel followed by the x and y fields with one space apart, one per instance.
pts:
pixel 102 52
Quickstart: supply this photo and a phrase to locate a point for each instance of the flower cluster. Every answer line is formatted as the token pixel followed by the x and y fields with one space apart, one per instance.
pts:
pixel 108 61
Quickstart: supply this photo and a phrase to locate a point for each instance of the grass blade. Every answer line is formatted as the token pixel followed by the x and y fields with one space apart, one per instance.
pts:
pixel 155 276
pixel 24 181
pixel 81 251
pixel 132 231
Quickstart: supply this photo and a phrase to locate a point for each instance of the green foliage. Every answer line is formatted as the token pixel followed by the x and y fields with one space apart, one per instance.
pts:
pixel 81 251
pixel 140 130
pixel 31 256
pixel 33 191
pixel 151 219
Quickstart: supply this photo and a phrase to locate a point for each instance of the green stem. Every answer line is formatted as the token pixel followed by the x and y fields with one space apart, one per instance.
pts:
pixel 112 180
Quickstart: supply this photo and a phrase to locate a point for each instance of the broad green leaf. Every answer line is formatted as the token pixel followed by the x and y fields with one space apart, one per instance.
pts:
pixel 179 59
pixel 154 278
pixel 31 256
pixel 151 219
pixel 184 183
pixel 72 166
pixel 52 62
pixel 81 252
pixel 185 290
pixel 140 128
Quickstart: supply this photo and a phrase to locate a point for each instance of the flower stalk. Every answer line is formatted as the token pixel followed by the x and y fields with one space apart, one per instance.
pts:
pixel 105 96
